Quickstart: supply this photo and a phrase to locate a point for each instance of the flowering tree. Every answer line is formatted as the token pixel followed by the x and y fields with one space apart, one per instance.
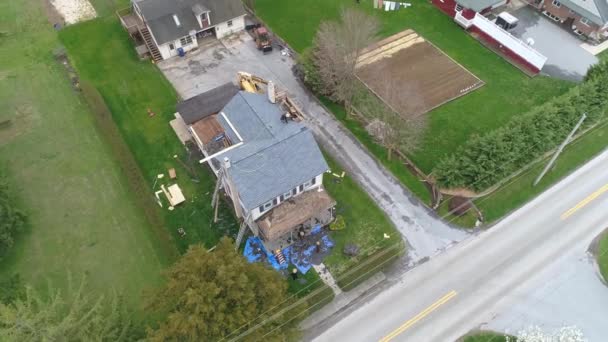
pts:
pixel 536 334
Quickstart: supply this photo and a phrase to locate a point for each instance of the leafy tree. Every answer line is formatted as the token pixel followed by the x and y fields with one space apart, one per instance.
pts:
pixel 12 220
pixel 73 318
pixel 214 295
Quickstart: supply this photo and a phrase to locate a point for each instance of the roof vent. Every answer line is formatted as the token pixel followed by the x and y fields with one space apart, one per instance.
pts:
pixel 227 162
pixel 176 19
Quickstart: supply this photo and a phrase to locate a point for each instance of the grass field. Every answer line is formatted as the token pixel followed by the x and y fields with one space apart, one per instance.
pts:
pixel 103 55
pixel 507 92
pixel 366 224
pixel 82 215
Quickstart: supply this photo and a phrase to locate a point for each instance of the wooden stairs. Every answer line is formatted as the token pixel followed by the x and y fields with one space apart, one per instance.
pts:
pixel 280 257
pixel 145 33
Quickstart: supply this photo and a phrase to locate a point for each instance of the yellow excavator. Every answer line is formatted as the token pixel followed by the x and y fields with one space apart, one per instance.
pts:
pixel 251 83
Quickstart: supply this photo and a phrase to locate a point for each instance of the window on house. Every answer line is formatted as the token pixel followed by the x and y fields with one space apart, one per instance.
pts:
pixel 301 187
pixel 313 181
pixel 557 3
pixel 275 201
pixel 585 21
pixel 459 8
pixel 294 191
pixel 187 40
pixel 229 23
pixel 265 206
pixel 171 46
pixel 287 195
pixel 204 16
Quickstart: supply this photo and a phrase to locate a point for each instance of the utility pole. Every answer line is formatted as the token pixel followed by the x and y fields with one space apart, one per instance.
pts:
pixel 560 149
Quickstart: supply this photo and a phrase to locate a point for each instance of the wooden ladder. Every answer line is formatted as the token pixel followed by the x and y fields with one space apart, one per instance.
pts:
pixel 145 33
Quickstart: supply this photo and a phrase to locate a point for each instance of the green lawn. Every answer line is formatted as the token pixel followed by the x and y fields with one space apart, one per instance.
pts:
pixel 520 190
pixel 82 215
pixel 507 92
pixel 602 256
pixel 104 55
pixel 366 224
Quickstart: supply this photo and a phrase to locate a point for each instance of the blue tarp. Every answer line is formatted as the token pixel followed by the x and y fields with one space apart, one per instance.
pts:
pixel 300 257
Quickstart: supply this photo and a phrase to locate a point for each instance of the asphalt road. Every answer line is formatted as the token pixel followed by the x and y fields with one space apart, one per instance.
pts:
pixel 474 281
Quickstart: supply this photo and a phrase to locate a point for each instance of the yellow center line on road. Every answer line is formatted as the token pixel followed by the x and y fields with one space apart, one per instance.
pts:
pixel 584 202
pixel 419 316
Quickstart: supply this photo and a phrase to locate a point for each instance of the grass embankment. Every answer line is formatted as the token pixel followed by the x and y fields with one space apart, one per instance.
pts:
pixel 366 226
pixel 82 215
pixel 507 92
pixel 486 337
pixel 519 191
pixel 104 56
pixel 602 255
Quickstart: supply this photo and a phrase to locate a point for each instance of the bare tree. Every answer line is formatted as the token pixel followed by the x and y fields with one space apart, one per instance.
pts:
pixel 337 47
pixel 393 130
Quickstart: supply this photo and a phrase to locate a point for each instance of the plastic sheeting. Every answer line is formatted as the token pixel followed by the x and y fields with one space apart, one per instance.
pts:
pixel 300 256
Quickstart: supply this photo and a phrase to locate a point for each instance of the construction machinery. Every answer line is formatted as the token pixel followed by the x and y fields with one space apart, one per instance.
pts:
pixel 250 83
pixel 255 84
pixel 262 39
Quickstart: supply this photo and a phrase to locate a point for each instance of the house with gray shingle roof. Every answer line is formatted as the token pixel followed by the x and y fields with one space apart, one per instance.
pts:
pixel 267 162
pixel 167 28
pixel 588 18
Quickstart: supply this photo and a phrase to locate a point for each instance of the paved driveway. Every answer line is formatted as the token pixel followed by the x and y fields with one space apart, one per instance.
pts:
pixel 214 65
pixel 566 58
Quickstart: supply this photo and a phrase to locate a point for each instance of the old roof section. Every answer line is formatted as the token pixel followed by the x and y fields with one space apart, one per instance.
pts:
pixel 275 157
pixel 207 103
pixel 294 211
pixel 158 14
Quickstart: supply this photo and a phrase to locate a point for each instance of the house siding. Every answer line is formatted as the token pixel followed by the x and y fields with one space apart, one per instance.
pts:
pixel 256 213
pixel 222 29
pixel 563 13
pixel 166 52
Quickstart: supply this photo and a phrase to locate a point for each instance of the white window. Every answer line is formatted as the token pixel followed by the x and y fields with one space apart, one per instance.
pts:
pixel 265 206
pixel 229 23
pixel 204 16
pixel 286 195
pixel 187 40
pixel 585 21
pixel 459 8
pixel 557 3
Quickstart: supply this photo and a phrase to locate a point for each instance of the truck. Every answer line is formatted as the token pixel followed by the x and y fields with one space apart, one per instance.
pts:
pixel 262 39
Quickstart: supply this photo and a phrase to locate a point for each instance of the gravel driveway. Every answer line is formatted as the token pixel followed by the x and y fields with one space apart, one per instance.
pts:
pixel 426 234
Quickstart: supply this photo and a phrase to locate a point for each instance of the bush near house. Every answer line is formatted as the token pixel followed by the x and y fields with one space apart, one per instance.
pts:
pixel 485 160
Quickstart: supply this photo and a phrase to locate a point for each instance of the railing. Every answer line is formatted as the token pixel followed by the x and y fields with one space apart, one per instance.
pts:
pixel 464 22
pixel 508 40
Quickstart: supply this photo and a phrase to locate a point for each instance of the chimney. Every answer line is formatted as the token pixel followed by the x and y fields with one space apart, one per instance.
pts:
pixel 226 162
pixel 272 97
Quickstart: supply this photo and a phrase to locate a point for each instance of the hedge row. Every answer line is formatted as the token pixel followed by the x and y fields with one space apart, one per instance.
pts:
pixel 485 160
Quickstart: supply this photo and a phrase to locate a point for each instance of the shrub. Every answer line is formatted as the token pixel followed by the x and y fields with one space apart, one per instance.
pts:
pixel 12 220
pixel 338 224
pixel 485 160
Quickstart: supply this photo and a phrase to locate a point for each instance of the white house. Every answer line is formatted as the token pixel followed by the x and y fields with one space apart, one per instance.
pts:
pixel 168 27
pixel 268 164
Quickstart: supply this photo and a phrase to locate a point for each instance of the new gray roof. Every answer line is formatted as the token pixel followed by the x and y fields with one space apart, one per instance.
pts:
pixel 207 103
pixel 594 10
pixel 477 5
pixel 158 15
pixel 275 157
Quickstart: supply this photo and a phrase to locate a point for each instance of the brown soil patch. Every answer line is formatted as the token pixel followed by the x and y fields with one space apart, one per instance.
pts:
pixel 411 75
